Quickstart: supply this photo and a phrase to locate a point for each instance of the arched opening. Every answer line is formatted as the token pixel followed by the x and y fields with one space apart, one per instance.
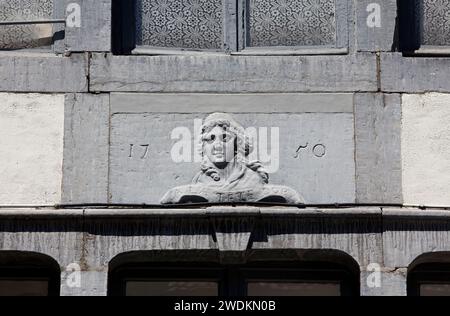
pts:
pixel 28 274
pixel 429 275
pixel 264 273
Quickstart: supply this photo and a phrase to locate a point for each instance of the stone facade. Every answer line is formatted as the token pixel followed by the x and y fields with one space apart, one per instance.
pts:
pixel 85 152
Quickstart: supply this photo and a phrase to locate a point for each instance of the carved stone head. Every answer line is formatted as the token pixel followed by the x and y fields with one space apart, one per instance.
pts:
pixel 226 174
pixel 223 141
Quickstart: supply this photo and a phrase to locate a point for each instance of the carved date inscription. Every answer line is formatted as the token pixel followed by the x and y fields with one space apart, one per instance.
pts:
pixel 138 151
pixel 318 150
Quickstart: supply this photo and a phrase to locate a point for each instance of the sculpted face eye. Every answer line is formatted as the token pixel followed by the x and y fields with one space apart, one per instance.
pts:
pixel 210 139
pixel 222 137
pixel 225 138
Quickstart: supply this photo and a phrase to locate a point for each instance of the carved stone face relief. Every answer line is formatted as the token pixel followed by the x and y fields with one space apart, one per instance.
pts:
pixel 226 173
pixel 219 146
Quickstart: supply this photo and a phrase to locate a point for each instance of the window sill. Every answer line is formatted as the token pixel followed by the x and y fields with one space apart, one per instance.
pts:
pixel 432 51
pixel 291 52
pixel 246 52
pixel 149 51
pixel 28 53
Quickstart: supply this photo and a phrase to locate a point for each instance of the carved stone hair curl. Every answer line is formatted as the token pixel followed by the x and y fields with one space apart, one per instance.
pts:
pixel 243 145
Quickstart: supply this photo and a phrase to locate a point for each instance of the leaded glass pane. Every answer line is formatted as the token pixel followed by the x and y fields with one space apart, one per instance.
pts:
pixel 25 36
pixel 436 22
pixel 291 22
pixel 194 24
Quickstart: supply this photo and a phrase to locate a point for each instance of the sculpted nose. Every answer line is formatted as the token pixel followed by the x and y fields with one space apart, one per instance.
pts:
pixel 217 144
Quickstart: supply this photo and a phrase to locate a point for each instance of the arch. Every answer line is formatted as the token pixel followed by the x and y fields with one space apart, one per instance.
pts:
pixel 29 273
pixel 271 264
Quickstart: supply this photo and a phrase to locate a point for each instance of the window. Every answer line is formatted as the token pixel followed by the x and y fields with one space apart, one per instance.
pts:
pixel 192 24
pixel 245 26
pixel 28 274
pixel 165 280
pixel 429 279
pixel 425 26
pixel 429 275
pixel 27 24
pixel 263 279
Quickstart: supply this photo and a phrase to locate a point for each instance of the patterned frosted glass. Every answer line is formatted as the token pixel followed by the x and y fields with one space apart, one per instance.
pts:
pixel 194 24
pixel 436 22
pixel 25 36
pixel 292 22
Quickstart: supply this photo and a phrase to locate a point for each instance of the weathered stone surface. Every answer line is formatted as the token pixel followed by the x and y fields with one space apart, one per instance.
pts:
pixel 218 73
pixel 109 237
pixel 86 149
pixel 350 236
pixel 414 75
pixel 94 238
pixel 375 26
pixel 232 103
pixel 410 233
pixel 392 282
pixel 94 33
pixel 31 148
pixel 404 240
pixel 49 73
pixel 142 167
pixel 92 283
pixel 426 149
pixel 378 148
pixel 60 239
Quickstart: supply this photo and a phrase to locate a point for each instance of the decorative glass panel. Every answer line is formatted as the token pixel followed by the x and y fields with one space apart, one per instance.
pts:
pixel 142 288
pixel 436 22
pixel 292 22
pixel 194 24
pixel 25 36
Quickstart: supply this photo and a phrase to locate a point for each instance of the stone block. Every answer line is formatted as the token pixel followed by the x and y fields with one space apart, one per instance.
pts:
pixel 220 73
pixel 43 73
pixel 376 25
pixel 413 74
pixel 426 149
pixel 31 148
pixel 86 149
pixel 93 33
pixel 378 148
pixel 313 154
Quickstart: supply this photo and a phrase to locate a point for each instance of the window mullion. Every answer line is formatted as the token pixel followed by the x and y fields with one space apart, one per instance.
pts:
pixel 230 25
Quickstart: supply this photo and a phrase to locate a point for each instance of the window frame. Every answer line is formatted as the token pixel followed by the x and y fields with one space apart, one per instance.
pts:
pixel 303 273
pixel 411 32
pixel 235 37
pixel 33 273
pixel 229 44
pixel 427 273
pixel 117 280
pixel 233 279
pixel 342 15
pixel 58 28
